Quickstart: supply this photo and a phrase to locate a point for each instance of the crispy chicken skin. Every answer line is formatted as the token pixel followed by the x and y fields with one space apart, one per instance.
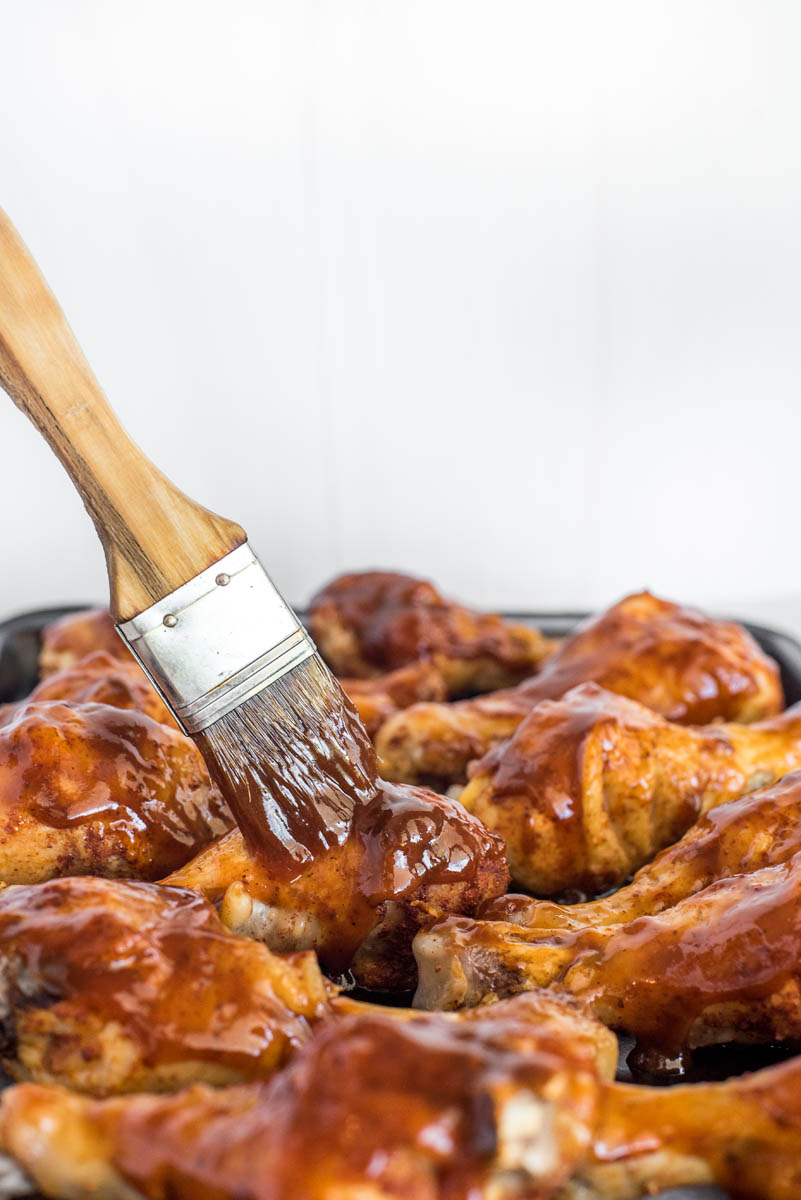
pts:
pixel 735 838
pixel 91 789
pixel 67 641
pixel 378 698
pixel 373 1108
pixel 375 621
pixel 100 678
pixel 410 856
pixel 721 965
pixel 113 986
pixel 589 787
pixel 689 668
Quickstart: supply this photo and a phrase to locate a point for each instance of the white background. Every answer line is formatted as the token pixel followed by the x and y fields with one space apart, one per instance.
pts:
pixel 506 294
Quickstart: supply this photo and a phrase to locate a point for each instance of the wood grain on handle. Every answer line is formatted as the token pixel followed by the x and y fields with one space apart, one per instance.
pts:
pixel 155 537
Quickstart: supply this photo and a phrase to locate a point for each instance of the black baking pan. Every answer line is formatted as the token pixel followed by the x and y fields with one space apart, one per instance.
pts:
pixel 20 638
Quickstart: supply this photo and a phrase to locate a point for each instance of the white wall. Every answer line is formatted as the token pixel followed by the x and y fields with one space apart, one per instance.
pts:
pixel 504 293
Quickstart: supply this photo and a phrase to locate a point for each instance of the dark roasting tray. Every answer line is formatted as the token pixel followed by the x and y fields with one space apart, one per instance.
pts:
pixel 19 650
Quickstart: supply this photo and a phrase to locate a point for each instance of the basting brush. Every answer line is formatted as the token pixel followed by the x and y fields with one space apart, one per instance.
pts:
pixel 192 601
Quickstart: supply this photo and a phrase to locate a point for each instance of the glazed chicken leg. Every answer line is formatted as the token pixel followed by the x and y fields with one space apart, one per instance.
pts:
pixel 370 622
pixel 736 838
pixel 743 1135
pixel 91 788
pixel 375 1109
pixel 500 1105
pixel 410 855
pixel 685 666
pixel 112 987
pixel 591 786
pixel 719 966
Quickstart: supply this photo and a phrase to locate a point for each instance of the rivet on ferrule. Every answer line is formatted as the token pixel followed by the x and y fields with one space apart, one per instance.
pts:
pixel 209 646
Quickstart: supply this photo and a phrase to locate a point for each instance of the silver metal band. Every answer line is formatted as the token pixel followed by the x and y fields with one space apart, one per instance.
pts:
pixel 203 646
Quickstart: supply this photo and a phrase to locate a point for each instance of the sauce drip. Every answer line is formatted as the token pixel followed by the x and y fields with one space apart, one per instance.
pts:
pixel 294 763
pixel 328 840
pixel 404 844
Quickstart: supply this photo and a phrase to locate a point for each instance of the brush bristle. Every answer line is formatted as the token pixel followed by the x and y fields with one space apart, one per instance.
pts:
pixel 293 762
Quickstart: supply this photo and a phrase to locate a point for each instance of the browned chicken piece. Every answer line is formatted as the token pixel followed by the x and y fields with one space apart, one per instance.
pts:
pixel 722 965
pixel 112 986
pixel 90 789
pixel 591 786
pixel 373 1108
pixel 67 641
pixel 377 699
pixel 687 667
pixel 376 621
pixel 410 856
pixel 736 838
pixel 743 1135
pixel 100 678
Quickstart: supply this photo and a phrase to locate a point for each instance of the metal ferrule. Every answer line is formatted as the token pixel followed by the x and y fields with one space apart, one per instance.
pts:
pixel 217 640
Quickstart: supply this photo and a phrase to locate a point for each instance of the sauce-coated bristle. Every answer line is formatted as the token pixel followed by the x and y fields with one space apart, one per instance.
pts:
pixel 293 762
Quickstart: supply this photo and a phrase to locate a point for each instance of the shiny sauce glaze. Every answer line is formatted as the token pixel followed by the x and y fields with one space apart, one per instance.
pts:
pixel 156 963
pixel 405 845
pixel 324 832
pixel 592 746
pixel 738 942
pixel 678 662
pixel 417 1106
pixel 135 790
pixel 397 619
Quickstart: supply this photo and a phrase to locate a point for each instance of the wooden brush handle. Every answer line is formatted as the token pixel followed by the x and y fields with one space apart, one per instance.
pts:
pixel 155 537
